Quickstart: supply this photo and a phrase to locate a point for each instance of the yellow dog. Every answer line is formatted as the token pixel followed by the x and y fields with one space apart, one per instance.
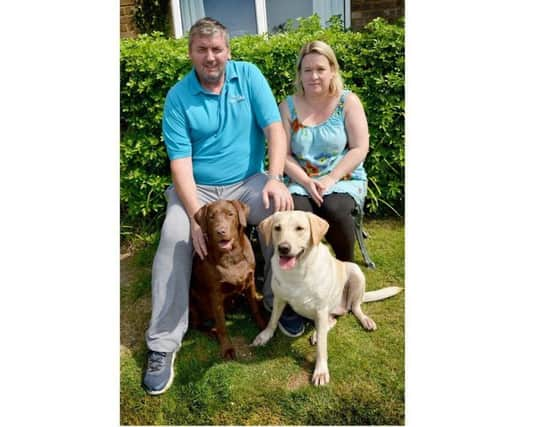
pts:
pixel 316 284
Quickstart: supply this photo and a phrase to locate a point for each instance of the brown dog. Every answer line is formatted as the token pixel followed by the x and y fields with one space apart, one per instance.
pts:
pixel 226 271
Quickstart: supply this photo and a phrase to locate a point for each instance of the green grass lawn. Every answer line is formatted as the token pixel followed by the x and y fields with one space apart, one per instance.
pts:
pixel 271 384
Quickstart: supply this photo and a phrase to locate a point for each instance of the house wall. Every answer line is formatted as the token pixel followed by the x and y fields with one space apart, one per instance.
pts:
pixel 127 24
pixel 364 11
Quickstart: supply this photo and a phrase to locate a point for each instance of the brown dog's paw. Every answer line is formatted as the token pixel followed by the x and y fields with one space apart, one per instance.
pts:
pixel 229 353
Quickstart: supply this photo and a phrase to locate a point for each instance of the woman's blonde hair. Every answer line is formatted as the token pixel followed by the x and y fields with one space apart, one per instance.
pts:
pixel 317 46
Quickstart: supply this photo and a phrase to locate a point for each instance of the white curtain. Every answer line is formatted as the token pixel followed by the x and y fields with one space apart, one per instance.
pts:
pixel 191 11
pixel 327 8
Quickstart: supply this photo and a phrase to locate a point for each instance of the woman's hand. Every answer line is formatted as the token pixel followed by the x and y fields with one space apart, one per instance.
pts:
pixel 315 189
pixel 326 182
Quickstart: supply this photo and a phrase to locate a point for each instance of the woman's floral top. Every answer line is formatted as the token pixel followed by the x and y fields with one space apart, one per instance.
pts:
pixel 319 148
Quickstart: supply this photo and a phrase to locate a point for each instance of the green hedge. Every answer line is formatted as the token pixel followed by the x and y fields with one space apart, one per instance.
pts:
pixel 372 63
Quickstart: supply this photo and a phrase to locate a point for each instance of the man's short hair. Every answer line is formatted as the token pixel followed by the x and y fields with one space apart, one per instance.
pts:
pixel 207 27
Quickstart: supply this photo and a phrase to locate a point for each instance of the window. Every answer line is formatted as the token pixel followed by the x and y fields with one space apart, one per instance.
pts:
pixel 238 16
pixel 279 11
pixel 254 16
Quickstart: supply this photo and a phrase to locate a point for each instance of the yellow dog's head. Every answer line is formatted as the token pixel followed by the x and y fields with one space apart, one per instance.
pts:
pixel 293 234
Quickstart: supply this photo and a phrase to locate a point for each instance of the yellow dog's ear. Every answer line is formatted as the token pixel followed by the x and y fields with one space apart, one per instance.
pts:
pixel 265 227
pixel 318 227
pixel 243 212
pixel 200 217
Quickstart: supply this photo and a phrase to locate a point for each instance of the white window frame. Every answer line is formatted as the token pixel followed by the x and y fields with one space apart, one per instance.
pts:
pixel 260 12
pixel 177 19
pixel 347 14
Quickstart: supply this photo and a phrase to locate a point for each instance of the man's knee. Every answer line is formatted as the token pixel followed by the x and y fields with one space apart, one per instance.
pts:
pixel 176 226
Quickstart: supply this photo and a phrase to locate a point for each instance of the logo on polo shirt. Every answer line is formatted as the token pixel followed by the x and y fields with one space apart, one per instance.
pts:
pixel 235 98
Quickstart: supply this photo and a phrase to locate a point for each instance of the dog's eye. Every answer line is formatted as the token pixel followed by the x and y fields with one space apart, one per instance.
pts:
pixel 278 228
pixel 299 228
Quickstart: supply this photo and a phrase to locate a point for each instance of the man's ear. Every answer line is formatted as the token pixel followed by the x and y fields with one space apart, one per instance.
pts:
pixel 318 227
pixel 243 212
pixel 265 228
pixel 200 217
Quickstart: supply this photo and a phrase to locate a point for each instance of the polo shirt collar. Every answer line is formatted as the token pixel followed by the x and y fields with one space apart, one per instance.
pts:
pixel 196 87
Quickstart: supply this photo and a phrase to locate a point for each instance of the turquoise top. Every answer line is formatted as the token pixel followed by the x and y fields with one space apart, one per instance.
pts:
pixel 319 148
pixel 223 133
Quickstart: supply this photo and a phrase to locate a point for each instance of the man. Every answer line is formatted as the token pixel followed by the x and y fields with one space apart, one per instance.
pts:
pixel 214 125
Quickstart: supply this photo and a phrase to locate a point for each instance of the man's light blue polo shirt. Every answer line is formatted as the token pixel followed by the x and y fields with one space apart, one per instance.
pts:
pixel 222 133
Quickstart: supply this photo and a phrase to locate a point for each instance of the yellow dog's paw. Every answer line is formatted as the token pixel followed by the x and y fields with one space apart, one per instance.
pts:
pixel 262 338
pixel 320 377
pixel 369 324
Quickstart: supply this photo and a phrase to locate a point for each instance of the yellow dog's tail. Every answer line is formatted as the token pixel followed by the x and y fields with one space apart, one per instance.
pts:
pixel 380 294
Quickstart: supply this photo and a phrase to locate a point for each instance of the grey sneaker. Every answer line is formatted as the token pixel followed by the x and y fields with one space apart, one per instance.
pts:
pixel 159 374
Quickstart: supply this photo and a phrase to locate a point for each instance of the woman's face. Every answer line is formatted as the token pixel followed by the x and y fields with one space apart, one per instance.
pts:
pixel 316 74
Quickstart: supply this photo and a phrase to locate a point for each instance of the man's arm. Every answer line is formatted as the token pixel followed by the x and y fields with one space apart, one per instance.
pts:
pixel 185 186
pixel 277 152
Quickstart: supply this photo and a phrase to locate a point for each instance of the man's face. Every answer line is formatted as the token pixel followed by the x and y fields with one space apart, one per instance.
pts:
pixel 209 55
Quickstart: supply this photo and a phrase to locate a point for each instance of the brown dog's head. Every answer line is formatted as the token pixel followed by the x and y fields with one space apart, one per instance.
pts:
pixel 222 221
pixel 292 234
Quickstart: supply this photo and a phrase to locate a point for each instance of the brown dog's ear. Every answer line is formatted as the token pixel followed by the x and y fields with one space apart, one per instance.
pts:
pixel 318 227
pixel 265 227
pixel 243 212
pixel 200 217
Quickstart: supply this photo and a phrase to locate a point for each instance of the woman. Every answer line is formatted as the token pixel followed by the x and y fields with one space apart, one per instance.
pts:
pixel 329 139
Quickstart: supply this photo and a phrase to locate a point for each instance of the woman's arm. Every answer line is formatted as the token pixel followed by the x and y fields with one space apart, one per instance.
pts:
pixel 358 138
pixel 292 167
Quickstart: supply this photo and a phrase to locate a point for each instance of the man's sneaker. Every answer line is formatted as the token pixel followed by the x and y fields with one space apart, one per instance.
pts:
pixel 290 323
pixel 159 374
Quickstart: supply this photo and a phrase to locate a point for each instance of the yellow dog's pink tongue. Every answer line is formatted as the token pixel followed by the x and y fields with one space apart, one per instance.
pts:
pixel 287 262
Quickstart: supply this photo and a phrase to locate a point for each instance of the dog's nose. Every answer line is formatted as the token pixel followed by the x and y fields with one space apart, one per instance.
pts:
pixel 284 248
pixel 221 231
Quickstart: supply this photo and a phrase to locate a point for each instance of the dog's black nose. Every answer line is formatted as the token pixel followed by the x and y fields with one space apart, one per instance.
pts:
pixel 284 248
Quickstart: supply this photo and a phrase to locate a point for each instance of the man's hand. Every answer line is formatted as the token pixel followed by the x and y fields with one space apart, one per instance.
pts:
pixel 198 239
pixel 280 196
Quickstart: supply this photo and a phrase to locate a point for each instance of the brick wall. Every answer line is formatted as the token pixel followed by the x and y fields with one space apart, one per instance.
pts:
pixel 127 25
pixel 364 11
